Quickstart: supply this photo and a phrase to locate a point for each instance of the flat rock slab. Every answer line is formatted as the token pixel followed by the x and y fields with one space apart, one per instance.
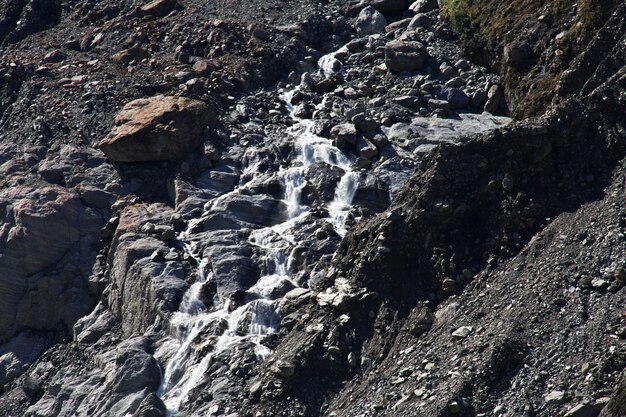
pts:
pixel 158 128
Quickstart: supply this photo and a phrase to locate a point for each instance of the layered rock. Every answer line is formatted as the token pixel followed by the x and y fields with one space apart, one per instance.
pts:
pixel 47 248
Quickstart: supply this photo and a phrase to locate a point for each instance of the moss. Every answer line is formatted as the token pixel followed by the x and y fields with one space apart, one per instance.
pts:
pixel 486 26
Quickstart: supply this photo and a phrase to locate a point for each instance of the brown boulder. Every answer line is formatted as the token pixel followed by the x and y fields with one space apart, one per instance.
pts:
pixel 157 129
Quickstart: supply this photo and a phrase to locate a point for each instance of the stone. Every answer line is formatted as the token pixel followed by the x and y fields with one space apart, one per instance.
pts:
pixel 159 8
pixel 404 56
pixel 455 82
pixel 366 148
pixel 435 104
pixel 165 233
pixel 410 102
pixel 462 332
pixel 419 21
pixel 518 55
pixel 389 6
pixel 125 57
pixel 423 6
pixel 54 57
pixel 599 283
pixel 156 129
pixel 345 132
pixel 456 97
pixel 555 397
pixel 203 67
pixel 369 22
pixel 462 64
pixel 182 55
pixel 494 95
pixel 591 409
pixel 283 369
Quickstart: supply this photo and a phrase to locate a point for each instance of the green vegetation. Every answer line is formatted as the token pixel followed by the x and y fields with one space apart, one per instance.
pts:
pixel 486 26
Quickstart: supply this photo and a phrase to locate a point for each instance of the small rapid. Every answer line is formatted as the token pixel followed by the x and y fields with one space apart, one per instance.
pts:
pixel 258 316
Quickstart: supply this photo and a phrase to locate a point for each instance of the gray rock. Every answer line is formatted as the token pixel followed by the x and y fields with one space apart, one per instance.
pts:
pixel 46 242
pixel 90 328
pixel 369 22
pixel 555 397
pixel 365 148
pixel 462 332
pixel 345 133
pixel 494 96
pixel 591 409
pixel 435 104
pixel 410 102
pixel 283 369
pixel 404 56
pixel 387 6
pixel 419 21
pixel 423 6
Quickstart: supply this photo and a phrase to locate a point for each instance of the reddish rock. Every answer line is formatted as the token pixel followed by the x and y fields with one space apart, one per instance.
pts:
pixel 157 129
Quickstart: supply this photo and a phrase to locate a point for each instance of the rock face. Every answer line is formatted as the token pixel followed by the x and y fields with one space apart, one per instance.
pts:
pixel 157 129
pixel 46 254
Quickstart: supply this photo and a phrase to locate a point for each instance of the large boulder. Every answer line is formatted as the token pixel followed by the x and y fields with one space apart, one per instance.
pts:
pixel 404 56
pixel 369 22
pixel 157 129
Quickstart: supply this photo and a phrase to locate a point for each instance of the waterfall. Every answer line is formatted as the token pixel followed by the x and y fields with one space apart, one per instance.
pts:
pixel 184 370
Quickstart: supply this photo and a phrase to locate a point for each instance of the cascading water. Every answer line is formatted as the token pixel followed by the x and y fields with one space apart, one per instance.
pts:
pixel 259 316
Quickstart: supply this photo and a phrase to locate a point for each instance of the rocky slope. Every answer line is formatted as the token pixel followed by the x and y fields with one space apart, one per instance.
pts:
pixel 312 208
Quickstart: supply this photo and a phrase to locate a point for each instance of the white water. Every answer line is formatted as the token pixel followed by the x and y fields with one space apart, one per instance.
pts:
pixel 184 370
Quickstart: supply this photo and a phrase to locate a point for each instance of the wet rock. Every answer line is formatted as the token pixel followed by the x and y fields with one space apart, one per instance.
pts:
pixel 157 128
pixel 324 178
pixel 141 288
pixel 404 56
pixel 151 406
pixel 369 22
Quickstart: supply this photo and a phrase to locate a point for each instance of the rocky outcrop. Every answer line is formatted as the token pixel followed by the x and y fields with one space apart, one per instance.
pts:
pixel 47 248
pixel 157 129
pixel 145 275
